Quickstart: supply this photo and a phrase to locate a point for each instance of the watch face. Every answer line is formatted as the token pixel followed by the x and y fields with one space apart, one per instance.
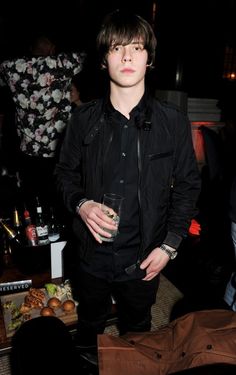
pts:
pixel 173 255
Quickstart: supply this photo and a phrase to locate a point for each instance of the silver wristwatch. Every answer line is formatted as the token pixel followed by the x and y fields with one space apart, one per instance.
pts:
pixel 170 251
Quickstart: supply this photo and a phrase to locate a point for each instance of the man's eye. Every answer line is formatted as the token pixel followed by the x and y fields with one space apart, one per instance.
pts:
pixel 115 48
pixel 138 47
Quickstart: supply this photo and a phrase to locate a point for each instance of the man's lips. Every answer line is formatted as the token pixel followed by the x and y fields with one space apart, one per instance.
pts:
pixel 127 70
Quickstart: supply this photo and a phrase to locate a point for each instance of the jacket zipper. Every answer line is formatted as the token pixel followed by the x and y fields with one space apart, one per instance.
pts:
pixel 140 251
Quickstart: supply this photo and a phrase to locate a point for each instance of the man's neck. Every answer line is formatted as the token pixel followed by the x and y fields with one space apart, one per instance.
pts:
pixel 125 99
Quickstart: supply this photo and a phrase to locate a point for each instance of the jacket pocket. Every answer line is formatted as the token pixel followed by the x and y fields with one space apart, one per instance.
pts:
pixel 160 155
pixel 159 170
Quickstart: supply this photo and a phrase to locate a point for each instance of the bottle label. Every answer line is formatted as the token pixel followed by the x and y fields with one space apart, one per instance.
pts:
pixel 42 233
pixel 31 235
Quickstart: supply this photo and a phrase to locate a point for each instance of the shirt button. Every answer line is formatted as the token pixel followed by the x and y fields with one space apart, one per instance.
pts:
pixel 121 181
pixel 123 154
pixel 125 126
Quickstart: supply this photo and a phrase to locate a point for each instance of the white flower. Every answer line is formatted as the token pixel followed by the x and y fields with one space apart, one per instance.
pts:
pixel 33 105
pixel 46 96
pixel 59 125
pixel 21 65
pixel 50 129
pixel 57 95
pixel 39 132
pixel 29 69
pixel 50 113
pixel 25 84
pixel 51 63
pixel 40 107
pixel 45 139
pixel 52 145
pixel 45 79
pixel 68 109
pixel 28 134
pixel 9 64
pixel 36 147
pixel 31 118
pixel 12 81
pixel 15 77
pixel 23 101
pixel 34 99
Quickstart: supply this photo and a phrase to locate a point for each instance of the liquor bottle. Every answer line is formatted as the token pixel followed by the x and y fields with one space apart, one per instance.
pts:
pixel 11 233
pixel 41 226
pixel 30 230
pixel 53 227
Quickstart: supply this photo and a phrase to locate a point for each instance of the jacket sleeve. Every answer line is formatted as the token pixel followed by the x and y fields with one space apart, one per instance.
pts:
pixel 68 171
pixel 186 183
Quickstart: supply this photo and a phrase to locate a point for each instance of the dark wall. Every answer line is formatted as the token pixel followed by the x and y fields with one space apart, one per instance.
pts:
pixel 73 24
pixel 192 37
pixel 191 34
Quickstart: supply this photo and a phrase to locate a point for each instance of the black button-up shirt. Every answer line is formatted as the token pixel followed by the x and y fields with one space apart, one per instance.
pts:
pixel 121 177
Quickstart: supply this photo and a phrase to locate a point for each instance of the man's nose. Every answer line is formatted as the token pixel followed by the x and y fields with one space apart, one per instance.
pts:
pixel 126 55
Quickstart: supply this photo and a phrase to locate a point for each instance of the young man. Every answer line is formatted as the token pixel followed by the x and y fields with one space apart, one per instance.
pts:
pixel 129 144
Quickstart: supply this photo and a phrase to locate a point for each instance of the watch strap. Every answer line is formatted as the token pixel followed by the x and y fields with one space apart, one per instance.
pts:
pixel 170 251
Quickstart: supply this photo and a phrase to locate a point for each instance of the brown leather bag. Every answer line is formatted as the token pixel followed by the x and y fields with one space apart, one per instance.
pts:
pixel 195 339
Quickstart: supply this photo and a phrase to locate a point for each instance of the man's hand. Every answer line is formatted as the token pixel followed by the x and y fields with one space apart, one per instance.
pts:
pixel 95 219
pixel 154 263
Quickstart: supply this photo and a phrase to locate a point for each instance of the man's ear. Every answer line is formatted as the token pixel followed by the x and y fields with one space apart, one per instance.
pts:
pixel 150 65
pixel 104 64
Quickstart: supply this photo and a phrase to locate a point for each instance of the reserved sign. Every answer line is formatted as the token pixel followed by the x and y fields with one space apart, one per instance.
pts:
pixel 15 286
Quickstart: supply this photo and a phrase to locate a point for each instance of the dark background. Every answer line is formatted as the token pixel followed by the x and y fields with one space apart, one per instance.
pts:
pixel 191 34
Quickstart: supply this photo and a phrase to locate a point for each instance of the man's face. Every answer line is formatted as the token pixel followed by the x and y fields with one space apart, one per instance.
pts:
pixel 74 94
pixel 127 64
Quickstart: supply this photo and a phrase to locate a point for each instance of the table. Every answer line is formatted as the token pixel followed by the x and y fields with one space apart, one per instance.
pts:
pixel 51 272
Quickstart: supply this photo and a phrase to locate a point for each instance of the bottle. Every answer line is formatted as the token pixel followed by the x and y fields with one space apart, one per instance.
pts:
pixel 41 226
pixel 17 224
pixel 7 253
pixel 2 251
pixel 53 228
pixel 11 233
pixel 30 230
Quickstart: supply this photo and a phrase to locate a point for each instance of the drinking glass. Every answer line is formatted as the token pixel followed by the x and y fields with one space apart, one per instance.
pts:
pixel 111 206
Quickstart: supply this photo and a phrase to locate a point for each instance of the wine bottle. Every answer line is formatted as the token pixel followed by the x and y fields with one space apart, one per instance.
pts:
pixel 11 233
pixel 41 226
pixel 30 230
pixel 53 227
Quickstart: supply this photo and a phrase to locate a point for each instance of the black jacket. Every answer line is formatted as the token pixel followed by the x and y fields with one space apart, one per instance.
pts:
pixel 232 208
pixel 169 177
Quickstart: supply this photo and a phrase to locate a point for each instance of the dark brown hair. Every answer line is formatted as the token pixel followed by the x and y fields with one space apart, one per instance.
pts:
pixel 121 28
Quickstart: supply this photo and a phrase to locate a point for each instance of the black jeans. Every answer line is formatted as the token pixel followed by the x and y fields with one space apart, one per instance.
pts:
pixel 134 299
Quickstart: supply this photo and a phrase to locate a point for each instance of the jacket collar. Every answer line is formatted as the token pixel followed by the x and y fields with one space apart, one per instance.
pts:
pixel 141 112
